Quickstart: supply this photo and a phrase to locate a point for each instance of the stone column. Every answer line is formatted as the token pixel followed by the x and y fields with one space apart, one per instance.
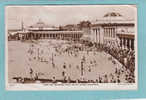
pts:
pixel 130 44
pixel 96 35
pixel 114 32
pixel 99 37
pixel 104 32
pixel 111 32
pixel 124 42
pixel 121 42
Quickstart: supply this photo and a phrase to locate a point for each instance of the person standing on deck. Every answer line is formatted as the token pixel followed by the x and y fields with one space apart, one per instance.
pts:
pixel 31 73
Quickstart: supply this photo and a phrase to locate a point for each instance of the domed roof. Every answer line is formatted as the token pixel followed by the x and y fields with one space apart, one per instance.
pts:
pixel 41 26
pixel 113 14
pixel 113 17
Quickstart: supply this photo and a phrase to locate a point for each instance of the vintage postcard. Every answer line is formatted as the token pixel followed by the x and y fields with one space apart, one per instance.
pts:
pixel 71 47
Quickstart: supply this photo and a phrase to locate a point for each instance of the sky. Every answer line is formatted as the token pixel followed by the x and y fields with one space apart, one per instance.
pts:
pixel 56 15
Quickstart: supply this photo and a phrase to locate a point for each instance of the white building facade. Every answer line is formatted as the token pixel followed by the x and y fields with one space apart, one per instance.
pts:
pixel 114 28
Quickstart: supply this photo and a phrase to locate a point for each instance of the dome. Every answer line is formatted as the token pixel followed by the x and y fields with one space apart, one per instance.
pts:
pixel 113 17
pixel 41 26
pixel 113 14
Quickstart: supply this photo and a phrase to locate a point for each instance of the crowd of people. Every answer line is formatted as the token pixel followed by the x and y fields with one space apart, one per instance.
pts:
pixel 125 56
pixel 78 63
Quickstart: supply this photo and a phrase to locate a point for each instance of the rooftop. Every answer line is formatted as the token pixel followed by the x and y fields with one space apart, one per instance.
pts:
pixel 113 17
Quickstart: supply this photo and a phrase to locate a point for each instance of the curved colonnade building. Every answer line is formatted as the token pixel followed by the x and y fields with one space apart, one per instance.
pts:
pixel 42 31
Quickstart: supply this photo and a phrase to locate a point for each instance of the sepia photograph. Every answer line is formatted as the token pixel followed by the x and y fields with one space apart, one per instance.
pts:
pixel 71 47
